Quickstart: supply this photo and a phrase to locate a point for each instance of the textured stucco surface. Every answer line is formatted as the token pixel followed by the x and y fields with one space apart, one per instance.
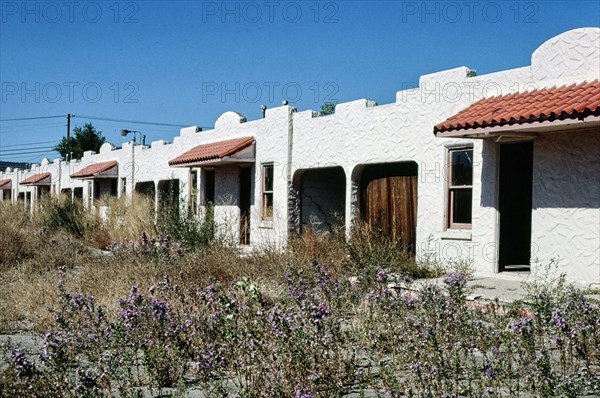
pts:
pixel 565 215
pixel 359 134
pixel 566 203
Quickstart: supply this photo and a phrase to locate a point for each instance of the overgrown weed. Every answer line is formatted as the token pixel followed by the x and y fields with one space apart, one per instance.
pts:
pixel 155 311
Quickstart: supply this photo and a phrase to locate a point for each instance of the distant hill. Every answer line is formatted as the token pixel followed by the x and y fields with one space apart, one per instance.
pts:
pixel 12 165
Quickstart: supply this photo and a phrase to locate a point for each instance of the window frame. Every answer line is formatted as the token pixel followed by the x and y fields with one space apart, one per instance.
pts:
pixel 264 192
pixel 451 189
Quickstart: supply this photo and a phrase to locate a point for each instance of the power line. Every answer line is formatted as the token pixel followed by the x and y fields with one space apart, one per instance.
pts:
pixel 44 131
pixel 24 149
pixel 130 121
pixel 30 118
pixel 10 155
pixel 11 130
pixel 29 143
pixel 44 123
pixel 99 118
pixel 33 159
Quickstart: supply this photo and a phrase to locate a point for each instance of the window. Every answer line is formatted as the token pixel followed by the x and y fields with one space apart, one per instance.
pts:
pixel 267 192
pixel 460 187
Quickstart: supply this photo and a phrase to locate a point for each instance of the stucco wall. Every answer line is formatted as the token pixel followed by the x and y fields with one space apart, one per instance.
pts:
pixel 566 203
pixel 360 133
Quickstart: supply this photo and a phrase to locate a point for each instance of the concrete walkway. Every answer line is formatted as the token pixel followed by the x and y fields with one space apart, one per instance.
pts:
pixel 507 288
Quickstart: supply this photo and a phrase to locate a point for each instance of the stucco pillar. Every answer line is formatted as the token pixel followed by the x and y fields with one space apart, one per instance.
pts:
pixel 351 195
pixel 91 193
pixel 32 199
pixel 197 198
pixel 294 205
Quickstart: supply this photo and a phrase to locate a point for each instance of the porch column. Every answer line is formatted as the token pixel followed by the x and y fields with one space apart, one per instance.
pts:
pixel 91 192
pixel 32 199
pixel 351 200
pixel 197 198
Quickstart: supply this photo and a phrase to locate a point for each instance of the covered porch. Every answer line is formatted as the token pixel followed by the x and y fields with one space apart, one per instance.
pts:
pixel 221 183
pixel 6 190
pixel 544 146
pixel 101 180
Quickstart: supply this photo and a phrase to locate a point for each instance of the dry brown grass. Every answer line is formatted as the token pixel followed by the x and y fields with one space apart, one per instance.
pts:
pixel 123 222
pixel 30 255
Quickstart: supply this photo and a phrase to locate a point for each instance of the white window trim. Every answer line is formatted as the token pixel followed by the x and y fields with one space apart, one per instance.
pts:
pixel 453 230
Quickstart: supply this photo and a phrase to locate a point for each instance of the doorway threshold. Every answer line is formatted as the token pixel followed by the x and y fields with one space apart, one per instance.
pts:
pixel 516 268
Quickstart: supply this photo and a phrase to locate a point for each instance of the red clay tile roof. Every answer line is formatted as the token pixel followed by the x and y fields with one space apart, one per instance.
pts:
pixel 566 102
pixel 94 169
pixel 5 182
pixel 214 151
pixel 34 179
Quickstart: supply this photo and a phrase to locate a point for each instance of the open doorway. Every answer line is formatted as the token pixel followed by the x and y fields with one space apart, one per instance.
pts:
pixel 245 199
pixel 321 199
pixel 78 194
pixel 514 205
pixel 208 182
pixel 168 198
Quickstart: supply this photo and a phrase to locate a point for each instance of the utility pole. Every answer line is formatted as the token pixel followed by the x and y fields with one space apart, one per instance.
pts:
pixel 68 125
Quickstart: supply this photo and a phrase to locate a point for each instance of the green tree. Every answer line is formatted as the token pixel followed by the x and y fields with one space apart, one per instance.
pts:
pixel 84 138
pixel 328 108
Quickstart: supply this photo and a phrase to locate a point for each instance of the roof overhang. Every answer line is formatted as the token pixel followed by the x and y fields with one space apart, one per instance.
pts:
pixel 529 131
pixel 219 162
pixel 97 171
pixel 220 153
pixel 38 180
pixel 6 184
pixel 527 115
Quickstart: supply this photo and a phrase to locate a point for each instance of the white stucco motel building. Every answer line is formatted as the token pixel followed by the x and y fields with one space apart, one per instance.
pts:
pixel 501 170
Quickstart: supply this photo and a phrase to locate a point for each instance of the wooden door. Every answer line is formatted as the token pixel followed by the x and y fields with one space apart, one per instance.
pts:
pixel 391 205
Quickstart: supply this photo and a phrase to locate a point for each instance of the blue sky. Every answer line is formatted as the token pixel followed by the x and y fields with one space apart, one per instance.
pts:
pixel 187 62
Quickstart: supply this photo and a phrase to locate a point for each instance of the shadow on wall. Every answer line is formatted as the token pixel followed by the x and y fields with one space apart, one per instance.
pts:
pixel 322 198
pixel 566 171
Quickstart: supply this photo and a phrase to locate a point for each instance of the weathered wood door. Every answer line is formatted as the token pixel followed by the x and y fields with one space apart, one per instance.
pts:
pixel 391 205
